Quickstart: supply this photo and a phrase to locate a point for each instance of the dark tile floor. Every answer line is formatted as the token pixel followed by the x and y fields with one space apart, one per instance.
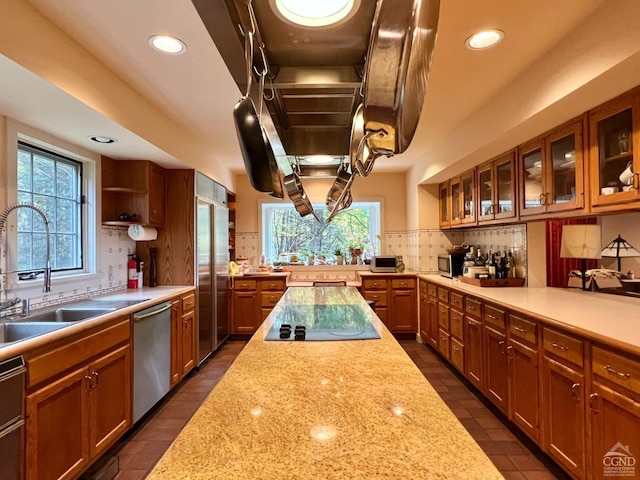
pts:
pixel 515 456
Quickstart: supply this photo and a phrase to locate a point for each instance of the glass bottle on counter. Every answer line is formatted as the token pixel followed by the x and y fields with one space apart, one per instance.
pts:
pixel 493 267
pixel 479 260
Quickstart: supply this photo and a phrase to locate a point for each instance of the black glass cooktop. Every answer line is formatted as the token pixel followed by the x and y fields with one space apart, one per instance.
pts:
pixel 322 322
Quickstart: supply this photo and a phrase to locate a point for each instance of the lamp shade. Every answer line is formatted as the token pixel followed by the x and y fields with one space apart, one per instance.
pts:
pixel 619 248
pixel 581 241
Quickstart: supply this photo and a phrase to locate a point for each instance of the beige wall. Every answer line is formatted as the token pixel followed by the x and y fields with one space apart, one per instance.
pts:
pixel 389 188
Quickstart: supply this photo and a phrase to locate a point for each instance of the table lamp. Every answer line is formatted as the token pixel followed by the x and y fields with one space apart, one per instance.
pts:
pixel 619 248
pixel 583 242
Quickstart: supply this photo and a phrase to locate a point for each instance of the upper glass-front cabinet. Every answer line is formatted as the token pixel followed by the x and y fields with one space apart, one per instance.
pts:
pixel 496 189
pixel 462 191
pixel 615 160
pixel 551 171
pixel 444 202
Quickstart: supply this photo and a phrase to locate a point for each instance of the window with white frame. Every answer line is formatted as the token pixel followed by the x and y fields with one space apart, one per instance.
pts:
pixel 285 231
pixel 53 183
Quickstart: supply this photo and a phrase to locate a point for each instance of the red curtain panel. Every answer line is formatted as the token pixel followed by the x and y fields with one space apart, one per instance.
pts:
pixel 558 268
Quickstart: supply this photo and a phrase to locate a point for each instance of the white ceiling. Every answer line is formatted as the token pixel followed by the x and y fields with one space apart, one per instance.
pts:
pixel 557 60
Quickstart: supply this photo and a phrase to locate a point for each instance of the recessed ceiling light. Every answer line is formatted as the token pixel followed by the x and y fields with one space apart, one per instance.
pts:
pixel 168 44
pixel 484 39
pixel 102 139
pixel 315 13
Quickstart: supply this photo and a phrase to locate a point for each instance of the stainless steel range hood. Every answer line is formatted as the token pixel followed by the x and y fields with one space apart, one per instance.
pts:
pixel 316 75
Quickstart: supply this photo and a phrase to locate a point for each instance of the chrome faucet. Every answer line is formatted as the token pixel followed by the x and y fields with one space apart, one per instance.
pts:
pixel 47 269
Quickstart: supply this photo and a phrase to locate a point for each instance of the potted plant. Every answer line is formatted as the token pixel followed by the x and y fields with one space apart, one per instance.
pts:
pixel 339 256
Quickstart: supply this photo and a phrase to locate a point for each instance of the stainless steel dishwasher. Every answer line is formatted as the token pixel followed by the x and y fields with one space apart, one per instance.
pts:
pixel 151 357
pixel 12 373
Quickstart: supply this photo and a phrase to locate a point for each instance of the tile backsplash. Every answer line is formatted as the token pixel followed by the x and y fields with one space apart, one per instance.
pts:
pixel 420 248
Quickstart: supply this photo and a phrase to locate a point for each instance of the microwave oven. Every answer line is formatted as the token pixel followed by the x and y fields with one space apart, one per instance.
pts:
pixel 450 265
pixel 383 264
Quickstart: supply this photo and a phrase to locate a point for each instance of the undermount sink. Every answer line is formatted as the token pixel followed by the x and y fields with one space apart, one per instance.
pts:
pixel 66 315
pixel 13 332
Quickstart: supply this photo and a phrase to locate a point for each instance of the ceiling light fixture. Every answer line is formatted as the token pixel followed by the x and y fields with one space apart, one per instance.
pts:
pixel 168 44
pixel 320 160
pixel 484 39
pixel 102 139
pixel 315 13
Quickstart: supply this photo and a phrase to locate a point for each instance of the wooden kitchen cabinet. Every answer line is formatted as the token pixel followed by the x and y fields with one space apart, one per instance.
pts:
pixel 183 337
pixel 496 377
pixel 443 322
pixel 552 171
pixel 82 405
pixel 564 400
pixel 614 141
pixel 456 329
pixel 614 412
pixel 462 203
pixel 252 301
pixel 497 189
pixel 396 302
pixel 430 320
pixel 133 187
pixel 444 205
pixel 423 297
pixel 474 351
pixel 524 383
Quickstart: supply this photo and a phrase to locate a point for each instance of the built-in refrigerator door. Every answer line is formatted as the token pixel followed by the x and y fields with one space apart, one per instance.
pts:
pixel 221 250
pixel 205 280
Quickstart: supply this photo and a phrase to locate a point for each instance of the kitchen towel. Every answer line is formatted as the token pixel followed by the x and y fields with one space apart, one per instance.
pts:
pixel 141 234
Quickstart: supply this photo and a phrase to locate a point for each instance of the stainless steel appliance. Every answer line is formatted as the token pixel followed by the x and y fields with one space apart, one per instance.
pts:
pixel 383 264
pixel 151 357
pixel 12 373
pixel 212 262
pixel 450 265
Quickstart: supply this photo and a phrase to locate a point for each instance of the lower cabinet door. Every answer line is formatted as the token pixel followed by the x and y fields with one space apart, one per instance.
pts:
pixel 57 441
pixel 188 352
pixel 563 418
pixel 473 367
pixel 457 354
pixel 614 433
pixel 110 399
pixel 524 402
pixel 496 368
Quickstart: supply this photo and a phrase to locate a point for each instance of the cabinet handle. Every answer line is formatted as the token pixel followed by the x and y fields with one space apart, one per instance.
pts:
pixel 520 329
pixel 455 348
pixel 593 398
pixel 575 391
pixel 559 347
pixel 510 352
pixel 89 381
pixel 96 376
pixel 614 372
pixel 492 317
pixel 636 180
pixel 470 323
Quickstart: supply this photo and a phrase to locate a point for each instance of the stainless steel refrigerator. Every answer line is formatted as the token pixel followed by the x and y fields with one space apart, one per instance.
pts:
pixel 212 261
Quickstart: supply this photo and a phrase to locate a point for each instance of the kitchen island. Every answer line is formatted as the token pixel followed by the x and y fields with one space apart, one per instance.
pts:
pixel 351 409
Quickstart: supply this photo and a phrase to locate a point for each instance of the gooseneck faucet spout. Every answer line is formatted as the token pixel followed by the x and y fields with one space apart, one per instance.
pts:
pixel 3 219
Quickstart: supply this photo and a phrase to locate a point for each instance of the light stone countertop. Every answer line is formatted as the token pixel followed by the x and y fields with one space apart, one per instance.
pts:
pixel 324 410
pixel 148 296
pixel 611 319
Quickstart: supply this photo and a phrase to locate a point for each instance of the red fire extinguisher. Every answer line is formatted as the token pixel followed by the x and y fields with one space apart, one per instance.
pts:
pixel 132 274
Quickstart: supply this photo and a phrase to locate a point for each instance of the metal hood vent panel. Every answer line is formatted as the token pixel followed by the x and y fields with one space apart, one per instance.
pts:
pixel 316 74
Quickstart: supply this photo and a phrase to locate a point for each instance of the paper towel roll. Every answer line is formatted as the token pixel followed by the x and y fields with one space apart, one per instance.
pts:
pixel 141 234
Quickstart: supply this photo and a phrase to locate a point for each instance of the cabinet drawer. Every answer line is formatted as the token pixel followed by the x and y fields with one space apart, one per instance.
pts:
pixel 400 283
pixel 472 307
pixel 432 290
pixel 456 300
pixel 380 298
pixel 443 316
pixel 269 299
pixel 457 354
pixel 245 285
pixel 188 303
pixel 374 284
pixel 456 320
pixel 563 346
pixel 272 285
pixel 443 294
pixel 494 316
pixel 616 368
pixel 76 352
pixel 523 329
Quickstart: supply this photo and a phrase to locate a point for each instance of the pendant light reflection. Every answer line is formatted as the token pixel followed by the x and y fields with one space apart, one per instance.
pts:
pixel 314 13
